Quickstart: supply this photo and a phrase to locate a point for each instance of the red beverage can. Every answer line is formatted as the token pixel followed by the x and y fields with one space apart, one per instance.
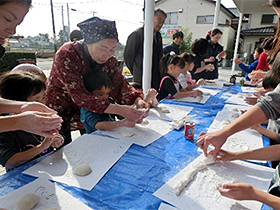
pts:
pixel 189 130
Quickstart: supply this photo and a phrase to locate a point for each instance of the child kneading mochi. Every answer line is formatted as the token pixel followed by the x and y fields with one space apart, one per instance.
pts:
pixel 171 66
pixel 185 77
pixel 18 147
pixel 98 84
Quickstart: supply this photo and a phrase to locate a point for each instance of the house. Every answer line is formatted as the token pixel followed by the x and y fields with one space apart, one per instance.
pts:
pixel 198 16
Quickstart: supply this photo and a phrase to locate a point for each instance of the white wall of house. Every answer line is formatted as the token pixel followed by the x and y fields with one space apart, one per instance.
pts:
pixel 188 18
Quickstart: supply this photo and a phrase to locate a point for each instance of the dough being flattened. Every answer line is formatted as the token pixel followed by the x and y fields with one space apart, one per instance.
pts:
pixel 145 122
pixel 27 201
pixel 83 170
pixel 127 133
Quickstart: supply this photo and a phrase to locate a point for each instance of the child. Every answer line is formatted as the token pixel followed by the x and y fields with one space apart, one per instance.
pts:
pixel 200 70
pixel 99 85
pixel 185 77
pixel 151 94
pixel 18 147
pixel 249 68
pixel 171 66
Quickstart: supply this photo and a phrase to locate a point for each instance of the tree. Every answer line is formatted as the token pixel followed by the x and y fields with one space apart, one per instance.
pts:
pixel 186 45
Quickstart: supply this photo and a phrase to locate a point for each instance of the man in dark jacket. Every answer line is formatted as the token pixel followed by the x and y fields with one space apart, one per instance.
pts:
pixel 133 52
pixel 175 46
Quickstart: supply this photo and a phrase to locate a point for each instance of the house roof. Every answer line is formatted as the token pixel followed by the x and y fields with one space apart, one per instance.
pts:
pixel 263 31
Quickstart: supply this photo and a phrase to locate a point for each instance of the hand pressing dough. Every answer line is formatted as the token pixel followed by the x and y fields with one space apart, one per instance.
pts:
pixel 27 201
pixel 189 176
pixel 83 170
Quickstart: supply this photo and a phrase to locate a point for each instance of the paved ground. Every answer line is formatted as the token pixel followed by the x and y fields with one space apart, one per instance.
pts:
pixel 45 65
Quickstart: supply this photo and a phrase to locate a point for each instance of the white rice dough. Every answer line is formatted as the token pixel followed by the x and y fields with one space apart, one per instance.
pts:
pixel 145 122
pixel 83 170
pixel 27 201
pixel 235 115
pixel 234 109
pixel 189 176
pixel 164 109
pixel 206 93
pixel 127 133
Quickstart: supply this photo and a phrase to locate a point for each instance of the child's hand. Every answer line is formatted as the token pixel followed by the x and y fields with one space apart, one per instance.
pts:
pixel 57 141
pixel 150 94
pixel 128 123
pixel 238 191
pixel 237 61
pixel 197 93
pixel 201 81
pixel 209 67
pixel 225 155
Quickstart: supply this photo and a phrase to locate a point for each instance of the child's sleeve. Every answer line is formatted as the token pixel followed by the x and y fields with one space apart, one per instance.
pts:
pixel 7 147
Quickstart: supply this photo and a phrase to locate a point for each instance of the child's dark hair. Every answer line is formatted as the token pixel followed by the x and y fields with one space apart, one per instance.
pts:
pixel 136 85
pixel 188 58
pixel 168 59
pixel 178 34
pixel 96 80
pixel 259 50
pixel 19 86
pixel 267 43
pixel 200 46
pixel 213 33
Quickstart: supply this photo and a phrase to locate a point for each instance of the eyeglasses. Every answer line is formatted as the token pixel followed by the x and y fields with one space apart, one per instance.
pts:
pixel 159 22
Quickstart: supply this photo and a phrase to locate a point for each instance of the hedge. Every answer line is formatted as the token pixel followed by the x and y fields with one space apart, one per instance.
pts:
pixel 13 58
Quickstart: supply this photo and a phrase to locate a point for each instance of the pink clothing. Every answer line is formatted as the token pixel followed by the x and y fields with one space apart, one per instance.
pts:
pixel 66 92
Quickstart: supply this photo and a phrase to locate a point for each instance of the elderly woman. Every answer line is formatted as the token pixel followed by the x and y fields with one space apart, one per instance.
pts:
pixel 66 92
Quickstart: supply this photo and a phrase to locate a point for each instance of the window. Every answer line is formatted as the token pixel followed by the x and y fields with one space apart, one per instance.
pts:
pixel 227 22
pixel 172 18
pixel 205 19
pixel 269 19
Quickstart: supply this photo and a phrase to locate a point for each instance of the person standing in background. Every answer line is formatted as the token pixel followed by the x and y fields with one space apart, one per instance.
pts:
pixel 215 52
pixel 133 52
pixel 178 37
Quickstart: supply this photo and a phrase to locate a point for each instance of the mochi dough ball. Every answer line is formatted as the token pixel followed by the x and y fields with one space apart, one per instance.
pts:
pixel 83 170
pixel 27 201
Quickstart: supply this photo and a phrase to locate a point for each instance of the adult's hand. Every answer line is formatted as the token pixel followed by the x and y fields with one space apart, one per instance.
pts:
pixel 141 104
pixel 217 139
pixel 257 75
pixel 251 99
pixel 36 106
pixel 43 124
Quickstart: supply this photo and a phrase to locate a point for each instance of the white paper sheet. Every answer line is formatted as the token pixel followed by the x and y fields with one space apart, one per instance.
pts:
pixel 201 100
pixel 214 84
pixel 207 91
pixel 176 112
pixel 201 192
pixel 246 89
pixel 50 196
pixel 164 206
pixel 143 135
pixel 101 153
pixel 238 99
pixel 248 139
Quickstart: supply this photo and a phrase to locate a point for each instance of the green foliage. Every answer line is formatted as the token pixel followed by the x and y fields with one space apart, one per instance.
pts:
pixel 187 41
pixel 12 59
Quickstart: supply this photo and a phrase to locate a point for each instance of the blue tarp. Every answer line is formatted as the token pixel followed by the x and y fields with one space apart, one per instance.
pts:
pixel 130 183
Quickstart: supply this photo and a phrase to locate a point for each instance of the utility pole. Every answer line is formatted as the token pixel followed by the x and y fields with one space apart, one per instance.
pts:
pixel 54 39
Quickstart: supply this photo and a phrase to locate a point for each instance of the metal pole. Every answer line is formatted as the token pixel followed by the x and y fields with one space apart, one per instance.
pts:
pixel 217 12
pixel 54 36
pixel 148 44
pixel 63 27
pixel 237 42
pixel 68 21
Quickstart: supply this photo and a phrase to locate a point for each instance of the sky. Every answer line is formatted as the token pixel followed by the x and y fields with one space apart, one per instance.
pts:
pixel 128 15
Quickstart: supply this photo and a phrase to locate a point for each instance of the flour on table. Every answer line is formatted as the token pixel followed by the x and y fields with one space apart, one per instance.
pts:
pixel 234 109
pixel 127 133
pixel 235 115
pixel 27 201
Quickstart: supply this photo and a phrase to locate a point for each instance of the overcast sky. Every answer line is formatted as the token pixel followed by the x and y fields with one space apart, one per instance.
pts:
pixel 127 14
